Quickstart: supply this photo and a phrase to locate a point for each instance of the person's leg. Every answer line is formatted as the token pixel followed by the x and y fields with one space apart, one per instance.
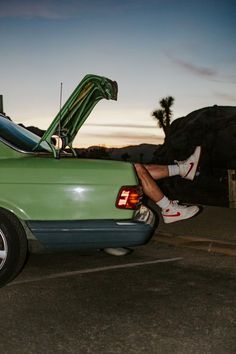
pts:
pixel 157 171
pixel 186 169
pixel 171 210
pixel 150 188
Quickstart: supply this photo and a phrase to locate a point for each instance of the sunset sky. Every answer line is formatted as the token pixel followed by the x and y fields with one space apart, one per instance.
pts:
pixel 152 48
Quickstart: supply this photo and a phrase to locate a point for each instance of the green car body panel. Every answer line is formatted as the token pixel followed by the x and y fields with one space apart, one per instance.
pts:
pixel 44 188
pixel 52 198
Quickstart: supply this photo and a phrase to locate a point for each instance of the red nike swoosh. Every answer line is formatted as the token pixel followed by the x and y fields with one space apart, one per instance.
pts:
pixel 190 168
pixel 171 215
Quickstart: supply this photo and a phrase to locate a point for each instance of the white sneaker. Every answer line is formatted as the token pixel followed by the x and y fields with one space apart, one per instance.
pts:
pixel 188 168
pixel 176 212
pixel 119 251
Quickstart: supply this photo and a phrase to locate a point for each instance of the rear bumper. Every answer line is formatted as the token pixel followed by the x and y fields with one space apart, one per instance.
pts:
pixel 88 234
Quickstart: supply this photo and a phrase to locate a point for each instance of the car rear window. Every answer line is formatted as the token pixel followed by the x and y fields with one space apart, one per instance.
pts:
pixel 20 137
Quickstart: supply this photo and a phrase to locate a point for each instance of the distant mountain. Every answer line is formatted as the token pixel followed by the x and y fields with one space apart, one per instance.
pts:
pixel 143 153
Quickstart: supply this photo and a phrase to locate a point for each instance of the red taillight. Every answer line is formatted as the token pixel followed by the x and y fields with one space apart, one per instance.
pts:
pixel 129 197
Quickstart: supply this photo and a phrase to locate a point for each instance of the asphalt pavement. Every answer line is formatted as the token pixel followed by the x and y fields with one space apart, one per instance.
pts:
pixel 158 299
pixel 213 230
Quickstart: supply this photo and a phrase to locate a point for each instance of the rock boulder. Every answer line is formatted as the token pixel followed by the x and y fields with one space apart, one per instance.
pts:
pixel 214 128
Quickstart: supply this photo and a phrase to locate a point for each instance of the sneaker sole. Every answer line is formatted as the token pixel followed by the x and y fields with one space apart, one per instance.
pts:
pixel 169 221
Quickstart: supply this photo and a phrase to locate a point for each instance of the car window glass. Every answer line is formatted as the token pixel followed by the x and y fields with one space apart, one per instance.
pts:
pixel 20 137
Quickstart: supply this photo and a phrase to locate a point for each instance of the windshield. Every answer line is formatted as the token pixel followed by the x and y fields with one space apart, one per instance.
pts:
pixel 20 137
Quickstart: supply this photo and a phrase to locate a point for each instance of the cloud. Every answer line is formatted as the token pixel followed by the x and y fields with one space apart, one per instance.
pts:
pixel 207 73
pixel 135 126
pixel 122 134
pixel 47 9
pixel 225 96
pixel 65 9
pixel 194 69
pixel 227 79
pixel 114 140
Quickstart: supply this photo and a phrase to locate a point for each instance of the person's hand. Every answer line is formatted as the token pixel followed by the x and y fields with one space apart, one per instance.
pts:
pixel 149 186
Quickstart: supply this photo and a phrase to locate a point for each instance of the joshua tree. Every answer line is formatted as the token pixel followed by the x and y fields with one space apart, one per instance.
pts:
pixel 164 114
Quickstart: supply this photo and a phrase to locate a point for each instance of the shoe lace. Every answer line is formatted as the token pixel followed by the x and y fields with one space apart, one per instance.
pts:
pixel 180 162
pixel 175 204
pixel 177 162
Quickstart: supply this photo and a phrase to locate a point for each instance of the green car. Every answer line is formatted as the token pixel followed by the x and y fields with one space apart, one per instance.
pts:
pixel 51 200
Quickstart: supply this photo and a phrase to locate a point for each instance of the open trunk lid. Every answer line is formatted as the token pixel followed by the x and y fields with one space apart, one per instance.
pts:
pixel 78 107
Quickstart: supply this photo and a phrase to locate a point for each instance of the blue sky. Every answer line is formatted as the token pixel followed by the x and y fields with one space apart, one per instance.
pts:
pixel 183 48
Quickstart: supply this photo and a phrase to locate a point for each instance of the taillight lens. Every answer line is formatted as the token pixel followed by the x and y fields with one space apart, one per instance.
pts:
pixel 129 197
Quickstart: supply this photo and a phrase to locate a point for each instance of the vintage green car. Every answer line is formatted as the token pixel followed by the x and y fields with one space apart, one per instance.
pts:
pixel 51 200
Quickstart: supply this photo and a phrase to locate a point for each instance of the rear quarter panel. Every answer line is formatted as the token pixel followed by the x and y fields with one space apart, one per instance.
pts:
pixel 44 188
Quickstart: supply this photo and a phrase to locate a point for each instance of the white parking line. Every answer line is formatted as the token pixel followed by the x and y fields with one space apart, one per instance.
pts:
pixel 93 270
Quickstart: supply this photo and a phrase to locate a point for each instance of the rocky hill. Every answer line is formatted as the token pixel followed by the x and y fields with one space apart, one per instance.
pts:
pixel 214 128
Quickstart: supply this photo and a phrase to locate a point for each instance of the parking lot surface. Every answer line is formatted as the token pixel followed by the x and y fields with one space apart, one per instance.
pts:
pixel 158 299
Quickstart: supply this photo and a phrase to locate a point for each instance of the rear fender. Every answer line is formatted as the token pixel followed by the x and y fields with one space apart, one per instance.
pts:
pixel 14 209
